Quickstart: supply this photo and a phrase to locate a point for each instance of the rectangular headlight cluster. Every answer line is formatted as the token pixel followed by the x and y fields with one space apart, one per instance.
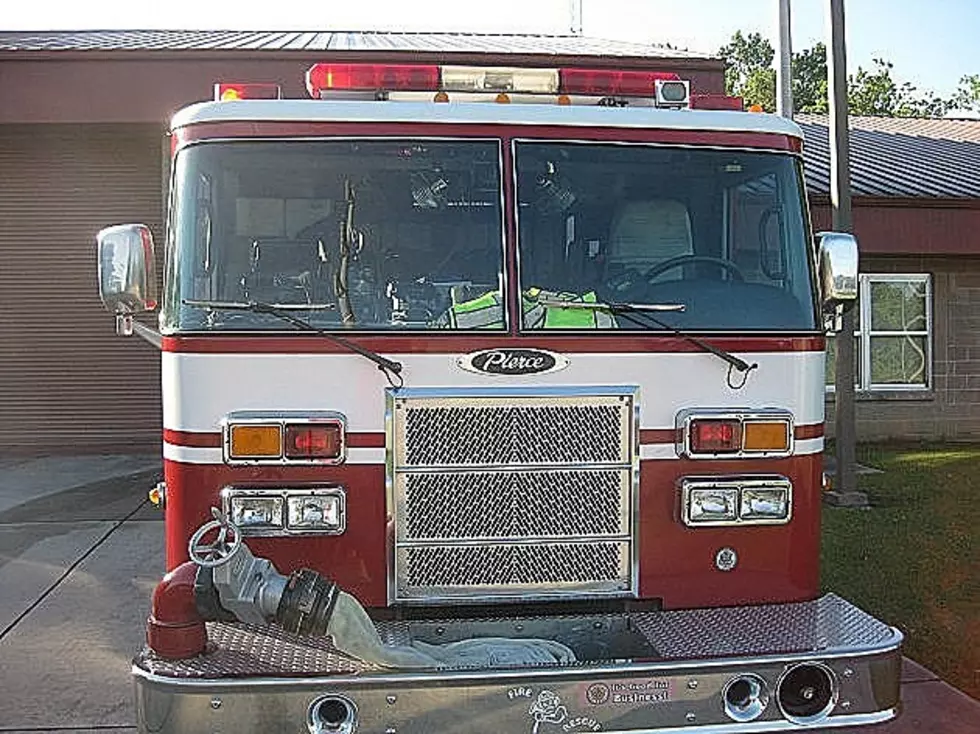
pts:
pixel 733 434
pixel 286 511
pixel 313 437
pixel 736 501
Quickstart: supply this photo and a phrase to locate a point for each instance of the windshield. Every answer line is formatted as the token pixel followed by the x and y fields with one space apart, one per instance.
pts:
pixel 359 234
pixel 722 233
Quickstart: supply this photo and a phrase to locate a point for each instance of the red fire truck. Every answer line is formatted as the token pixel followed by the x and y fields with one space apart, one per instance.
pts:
pixel 493 402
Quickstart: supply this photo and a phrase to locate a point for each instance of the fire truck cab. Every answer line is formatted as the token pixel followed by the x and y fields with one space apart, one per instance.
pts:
pixel 493 401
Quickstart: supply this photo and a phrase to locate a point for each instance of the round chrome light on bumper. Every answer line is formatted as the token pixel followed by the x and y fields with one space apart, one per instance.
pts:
pixel 807 692
pixel 746 697
pixel 331 715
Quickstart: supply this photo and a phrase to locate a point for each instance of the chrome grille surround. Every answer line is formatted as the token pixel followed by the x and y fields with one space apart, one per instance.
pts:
pixel 512 493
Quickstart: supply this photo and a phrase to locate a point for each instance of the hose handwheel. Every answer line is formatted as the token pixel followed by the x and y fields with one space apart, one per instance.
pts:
pixel 221 549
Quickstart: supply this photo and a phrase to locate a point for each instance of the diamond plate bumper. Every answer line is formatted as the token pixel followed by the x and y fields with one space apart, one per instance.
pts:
pixel 637 672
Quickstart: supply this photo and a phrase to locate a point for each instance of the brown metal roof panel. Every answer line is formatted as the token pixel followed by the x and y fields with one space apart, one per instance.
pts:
pixel 892 163
pixel 113 40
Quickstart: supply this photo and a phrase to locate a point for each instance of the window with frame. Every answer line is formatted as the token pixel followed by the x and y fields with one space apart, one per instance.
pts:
pixel 893 334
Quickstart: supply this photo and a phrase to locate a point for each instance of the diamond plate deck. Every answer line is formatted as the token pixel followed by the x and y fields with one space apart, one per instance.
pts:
pixel 826 626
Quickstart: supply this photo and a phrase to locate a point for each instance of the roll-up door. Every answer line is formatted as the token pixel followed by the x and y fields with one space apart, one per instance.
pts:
pixel 68 384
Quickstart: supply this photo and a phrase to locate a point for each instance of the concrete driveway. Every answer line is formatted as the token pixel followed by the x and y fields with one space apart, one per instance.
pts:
pixel 80 552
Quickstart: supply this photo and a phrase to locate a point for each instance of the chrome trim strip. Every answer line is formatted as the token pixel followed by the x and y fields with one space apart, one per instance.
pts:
pixel 511 468
pixel 444 677
pixel 474 540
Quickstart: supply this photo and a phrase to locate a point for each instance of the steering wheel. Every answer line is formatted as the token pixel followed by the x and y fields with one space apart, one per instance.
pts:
pixel 676 262
pixel 219 551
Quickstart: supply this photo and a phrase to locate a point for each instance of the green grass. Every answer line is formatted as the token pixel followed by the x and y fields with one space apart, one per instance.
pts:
pixel 913 559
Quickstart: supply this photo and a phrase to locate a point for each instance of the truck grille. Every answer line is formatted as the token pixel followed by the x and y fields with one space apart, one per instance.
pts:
pixel 504 494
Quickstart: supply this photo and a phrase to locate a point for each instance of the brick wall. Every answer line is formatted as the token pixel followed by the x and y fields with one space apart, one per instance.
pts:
pixel 951 408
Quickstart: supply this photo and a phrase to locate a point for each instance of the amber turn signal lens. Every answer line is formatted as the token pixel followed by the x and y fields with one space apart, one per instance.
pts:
pixel 766 436
pixel 260 441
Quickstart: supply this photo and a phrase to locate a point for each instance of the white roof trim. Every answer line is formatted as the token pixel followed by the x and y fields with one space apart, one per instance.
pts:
pixel 309 110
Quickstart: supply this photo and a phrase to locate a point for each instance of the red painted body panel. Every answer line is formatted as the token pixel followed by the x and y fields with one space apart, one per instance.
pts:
pixel 356 560
pixel 776 563
pixel 438 343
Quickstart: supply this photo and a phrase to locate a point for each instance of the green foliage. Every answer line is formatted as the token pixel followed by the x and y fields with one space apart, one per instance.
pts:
pixel 750 74
pixel 810 79
pixel 967 97
pixel 913 559
pixel 875 92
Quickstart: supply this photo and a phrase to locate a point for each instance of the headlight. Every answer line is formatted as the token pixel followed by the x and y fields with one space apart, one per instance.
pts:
pixel 713 504
pixel 286 510
pixel 317 511
pixel 248 512
pixel 711 501
pixel 770 503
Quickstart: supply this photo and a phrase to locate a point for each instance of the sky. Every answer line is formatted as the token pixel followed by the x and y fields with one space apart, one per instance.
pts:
pixel 931 42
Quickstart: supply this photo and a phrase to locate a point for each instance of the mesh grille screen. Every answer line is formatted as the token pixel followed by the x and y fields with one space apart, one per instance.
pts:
pixel 514 565
pixel 532 434
pixel 516 504
pixel 504 495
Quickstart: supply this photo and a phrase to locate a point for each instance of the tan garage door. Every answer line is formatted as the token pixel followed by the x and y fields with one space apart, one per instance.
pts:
pixel 67 383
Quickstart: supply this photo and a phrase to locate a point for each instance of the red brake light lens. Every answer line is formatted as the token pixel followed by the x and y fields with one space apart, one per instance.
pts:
pixel 314 441
pixel 611 82
pixel 716 436
pixel 371 77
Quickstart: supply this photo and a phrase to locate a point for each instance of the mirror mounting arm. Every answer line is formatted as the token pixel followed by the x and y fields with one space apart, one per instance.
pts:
pixel 126 325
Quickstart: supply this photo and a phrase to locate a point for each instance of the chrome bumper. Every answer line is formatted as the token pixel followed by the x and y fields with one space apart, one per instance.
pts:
pixel 662 672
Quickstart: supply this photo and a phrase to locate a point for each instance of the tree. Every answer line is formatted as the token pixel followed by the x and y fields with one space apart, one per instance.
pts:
pixel 748 69
pixel 874 92
pixel 810 79
pixel 750 74
pixel 967 97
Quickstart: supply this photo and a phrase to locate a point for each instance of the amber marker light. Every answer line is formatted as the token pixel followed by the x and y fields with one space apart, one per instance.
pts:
pixel 255 441
pixel 765 436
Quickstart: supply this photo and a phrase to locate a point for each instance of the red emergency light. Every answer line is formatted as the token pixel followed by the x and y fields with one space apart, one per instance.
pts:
pixel 605 82
pixel 330 77
pixel 717 102
pixel 371 77
pixel 230 92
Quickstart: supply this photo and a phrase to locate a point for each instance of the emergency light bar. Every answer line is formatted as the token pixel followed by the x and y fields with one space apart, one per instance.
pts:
pixel 230 92
pixel 667 89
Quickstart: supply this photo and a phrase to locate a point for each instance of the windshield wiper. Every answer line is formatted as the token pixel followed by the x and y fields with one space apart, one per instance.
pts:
pixel 627 311
pixel 391 368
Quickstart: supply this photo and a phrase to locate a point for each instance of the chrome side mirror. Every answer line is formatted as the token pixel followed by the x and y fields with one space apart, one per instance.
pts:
pixel 127 278
pixel 838 269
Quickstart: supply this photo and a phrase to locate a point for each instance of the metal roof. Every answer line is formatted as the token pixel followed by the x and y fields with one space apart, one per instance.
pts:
pixel 265 41
pixel 899 157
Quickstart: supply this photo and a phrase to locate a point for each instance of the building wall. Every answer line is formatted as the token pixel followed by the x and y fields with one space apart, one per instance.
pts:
pixel 67 382
pixel 950 409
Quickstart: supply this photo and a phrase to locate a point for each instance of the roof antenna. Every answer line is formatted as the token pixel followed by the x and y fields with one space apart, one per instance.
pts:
pixel 575 13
